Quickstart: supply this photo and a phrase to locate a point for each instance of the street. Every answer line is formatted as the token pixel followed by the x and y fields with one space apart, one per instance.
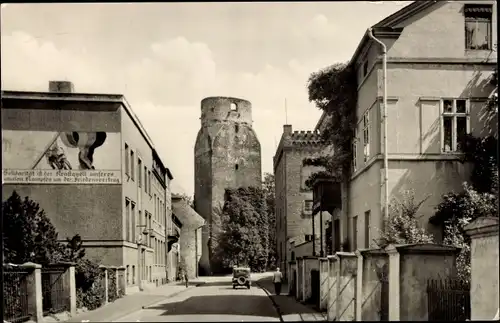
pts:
pixel 216 300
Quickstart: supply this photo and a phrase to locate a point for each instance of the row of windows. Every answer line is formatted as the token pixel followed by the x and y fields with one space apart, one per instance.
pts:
pixel 141 223
pixel 455 125
pixel 143 175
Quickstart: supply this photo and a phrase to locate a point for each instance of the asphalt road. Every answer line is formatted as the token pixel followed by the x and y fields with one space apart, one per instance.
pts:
pixel 216 300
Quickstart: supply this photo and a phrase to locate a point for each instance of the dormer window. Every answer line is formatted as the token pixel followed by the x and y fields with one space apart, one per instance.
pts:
pixel 234 107
pixel 478 27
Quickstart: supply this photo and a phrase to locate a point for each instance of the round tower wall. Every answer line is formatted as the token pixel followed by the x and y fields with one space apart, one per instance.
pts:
pixel 216 109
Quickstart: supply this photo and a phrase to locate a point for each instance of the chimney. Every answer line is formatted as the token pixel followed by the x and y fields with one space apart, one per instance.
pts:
pixel 287 129
pixel 61 87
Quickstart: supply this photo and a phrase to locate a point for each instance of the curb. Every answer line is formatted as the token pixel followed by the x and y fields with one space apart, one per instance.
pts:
pixel 144 307
pixel 276 306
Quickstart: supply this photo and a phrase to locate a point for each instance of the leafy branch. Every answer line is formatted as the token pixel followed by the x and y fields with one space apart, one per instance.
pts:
pixel 334 90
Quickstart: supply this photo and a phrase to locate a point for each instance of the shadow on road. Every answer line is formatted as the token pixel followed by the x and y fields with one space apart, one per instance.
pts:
pixel 287 304
pixel 219 305
pixel 218 283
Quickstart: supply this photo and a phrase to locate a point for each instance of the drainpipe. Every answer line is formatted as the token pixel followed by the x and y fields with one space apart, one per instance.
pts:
pixel 384 117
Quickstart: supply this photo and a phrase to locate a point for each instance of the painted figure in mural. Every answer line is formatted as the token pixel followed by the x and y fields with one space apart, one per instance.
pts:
pixel 56 157
pixel 86 142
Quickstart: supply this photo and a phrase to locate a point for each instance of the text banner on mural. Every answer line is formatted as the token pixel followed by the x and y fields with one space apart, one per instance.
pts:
pixel 52 157
pixel 36 176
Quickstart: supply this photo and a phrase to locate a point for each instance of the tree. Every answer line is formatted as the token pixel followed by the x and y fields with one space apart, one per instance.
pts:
pixel 29 236
pixel 28 233
pixel 403 227
pixel 268 188
pixel 243 239
pixel 334 90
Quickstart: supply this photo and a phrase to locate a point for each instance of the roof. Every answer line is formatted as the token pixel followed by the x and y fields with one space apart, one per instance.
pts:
pixel 387 27
pixel 87 97
pixel 187 216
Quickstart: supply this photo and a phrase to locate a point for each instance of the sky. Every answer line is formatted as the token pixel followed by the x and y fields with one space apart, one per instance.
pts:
pixel 166 57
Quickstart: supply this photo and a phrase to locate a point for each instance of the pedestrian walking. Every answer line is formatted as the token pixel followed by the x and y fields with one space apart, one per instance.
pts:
pixel 277 279
pixel 186 279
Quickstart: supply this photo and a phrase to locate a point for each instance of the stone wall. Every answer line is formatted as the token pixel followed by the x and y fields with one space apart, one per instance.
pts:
pixel 484 268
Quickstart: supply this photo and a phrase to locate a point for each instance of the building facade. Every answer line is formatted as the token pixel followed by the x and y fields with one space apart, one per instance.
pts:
pixel 89 163
pixel 191 231
pixel 227 155
pixel 293 199
pixel 441 56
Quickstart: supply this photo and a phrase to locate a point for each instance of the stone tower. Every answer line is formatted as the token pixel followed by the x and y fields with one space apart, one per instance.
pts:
pixel 227 155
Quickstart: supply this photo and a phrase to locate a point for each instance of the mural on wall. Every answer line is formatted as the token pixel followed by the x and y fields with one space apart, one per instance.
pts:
pixel 61 157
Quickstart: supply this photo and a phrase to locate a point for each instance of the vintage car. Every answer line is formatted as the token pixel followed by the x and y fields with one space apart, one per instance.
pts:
pixel 241 277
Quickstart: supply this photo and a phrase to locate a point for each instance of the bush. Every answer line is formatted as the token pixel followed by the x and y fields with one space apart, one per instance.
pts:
pixel 403 226
pixel 458 210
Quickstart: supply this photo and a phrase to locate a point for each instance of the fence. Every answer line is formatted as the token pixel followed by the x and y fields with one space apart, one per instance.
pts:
pixel 15 294
pixel 54 299
pixel 381 284
pixel 448 300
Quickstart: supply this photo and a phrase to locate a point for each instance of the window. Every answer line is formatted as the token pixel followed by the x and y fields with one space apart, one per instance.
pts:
pixel 478 27
pixel 127 220
pixel 133 274
pixel 366 135
pixel 150 242
pixel 308 206
pixel 367 229
pixel 355 232
pixel 455 124
pixel 236 166
pixel 234 107
pixel 133 221
pixel 155 207
pixel 127 161
pixel 355 149
pixel 139 172
pixel 149 182
pixel 128 272
pixel 145 179
pixel 132 169
pixel 236 128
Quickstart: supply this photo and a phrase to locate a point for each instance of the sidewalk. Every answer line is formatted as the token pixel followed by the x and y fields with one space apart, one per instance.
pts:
pixel 132 303
pixel 289 308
